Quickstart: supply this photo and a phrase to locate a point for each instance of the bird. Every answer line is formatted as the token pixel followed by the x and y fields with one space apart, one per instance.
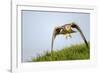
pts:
pixel 67 30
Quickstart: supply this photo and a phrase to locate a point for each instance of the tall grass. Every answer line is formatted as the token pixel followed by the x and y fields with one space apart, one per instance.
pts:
pixel 74 52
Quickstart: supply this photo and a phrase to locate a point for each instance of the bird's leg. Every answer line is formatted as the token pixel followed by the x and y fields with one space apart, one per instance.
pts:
pixel 70 36
pixel 66 36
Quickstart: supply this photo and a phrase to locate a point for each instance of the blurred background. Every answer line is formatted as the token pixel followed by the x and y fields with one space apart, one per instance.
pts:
pixel 37 30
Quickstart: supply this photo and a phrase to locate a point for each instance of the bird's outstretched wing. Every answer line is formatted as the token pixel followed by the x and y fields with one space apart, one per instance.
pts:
pixel 55 32
pixel 53 37
pixel 78 28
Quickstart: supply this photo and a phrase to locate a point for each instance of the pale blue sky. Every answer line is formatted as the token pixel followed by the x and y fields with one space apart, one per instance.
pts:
pixel 37 29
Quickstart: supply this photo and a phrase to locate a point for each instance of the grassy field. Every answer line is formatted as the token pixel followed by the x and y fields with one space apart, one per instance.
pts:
pixel 74 52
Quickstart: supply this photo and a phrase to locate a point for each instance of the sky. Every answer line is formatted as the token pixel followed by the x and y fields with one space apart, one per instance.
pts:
pixel 37 29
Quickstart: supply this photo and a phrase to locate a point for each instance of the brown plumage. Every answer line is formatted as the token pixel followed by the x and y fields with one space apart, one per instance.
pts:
pixel 66 29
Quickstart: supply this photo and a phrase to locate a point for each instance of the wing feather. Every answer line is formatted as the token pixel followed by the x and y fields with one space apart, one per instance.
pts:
pixel 78 28
pixel 55 32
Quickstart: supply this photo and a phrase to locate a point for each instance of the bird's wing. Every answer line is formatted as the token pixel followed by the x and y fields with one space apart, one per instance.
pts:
pixel 55 32
pixel 53 37
pixel 78 28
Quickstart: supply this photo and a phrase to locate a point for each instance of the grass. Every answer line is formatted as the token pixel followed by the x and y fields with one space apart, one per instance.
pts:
pixel 74 52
